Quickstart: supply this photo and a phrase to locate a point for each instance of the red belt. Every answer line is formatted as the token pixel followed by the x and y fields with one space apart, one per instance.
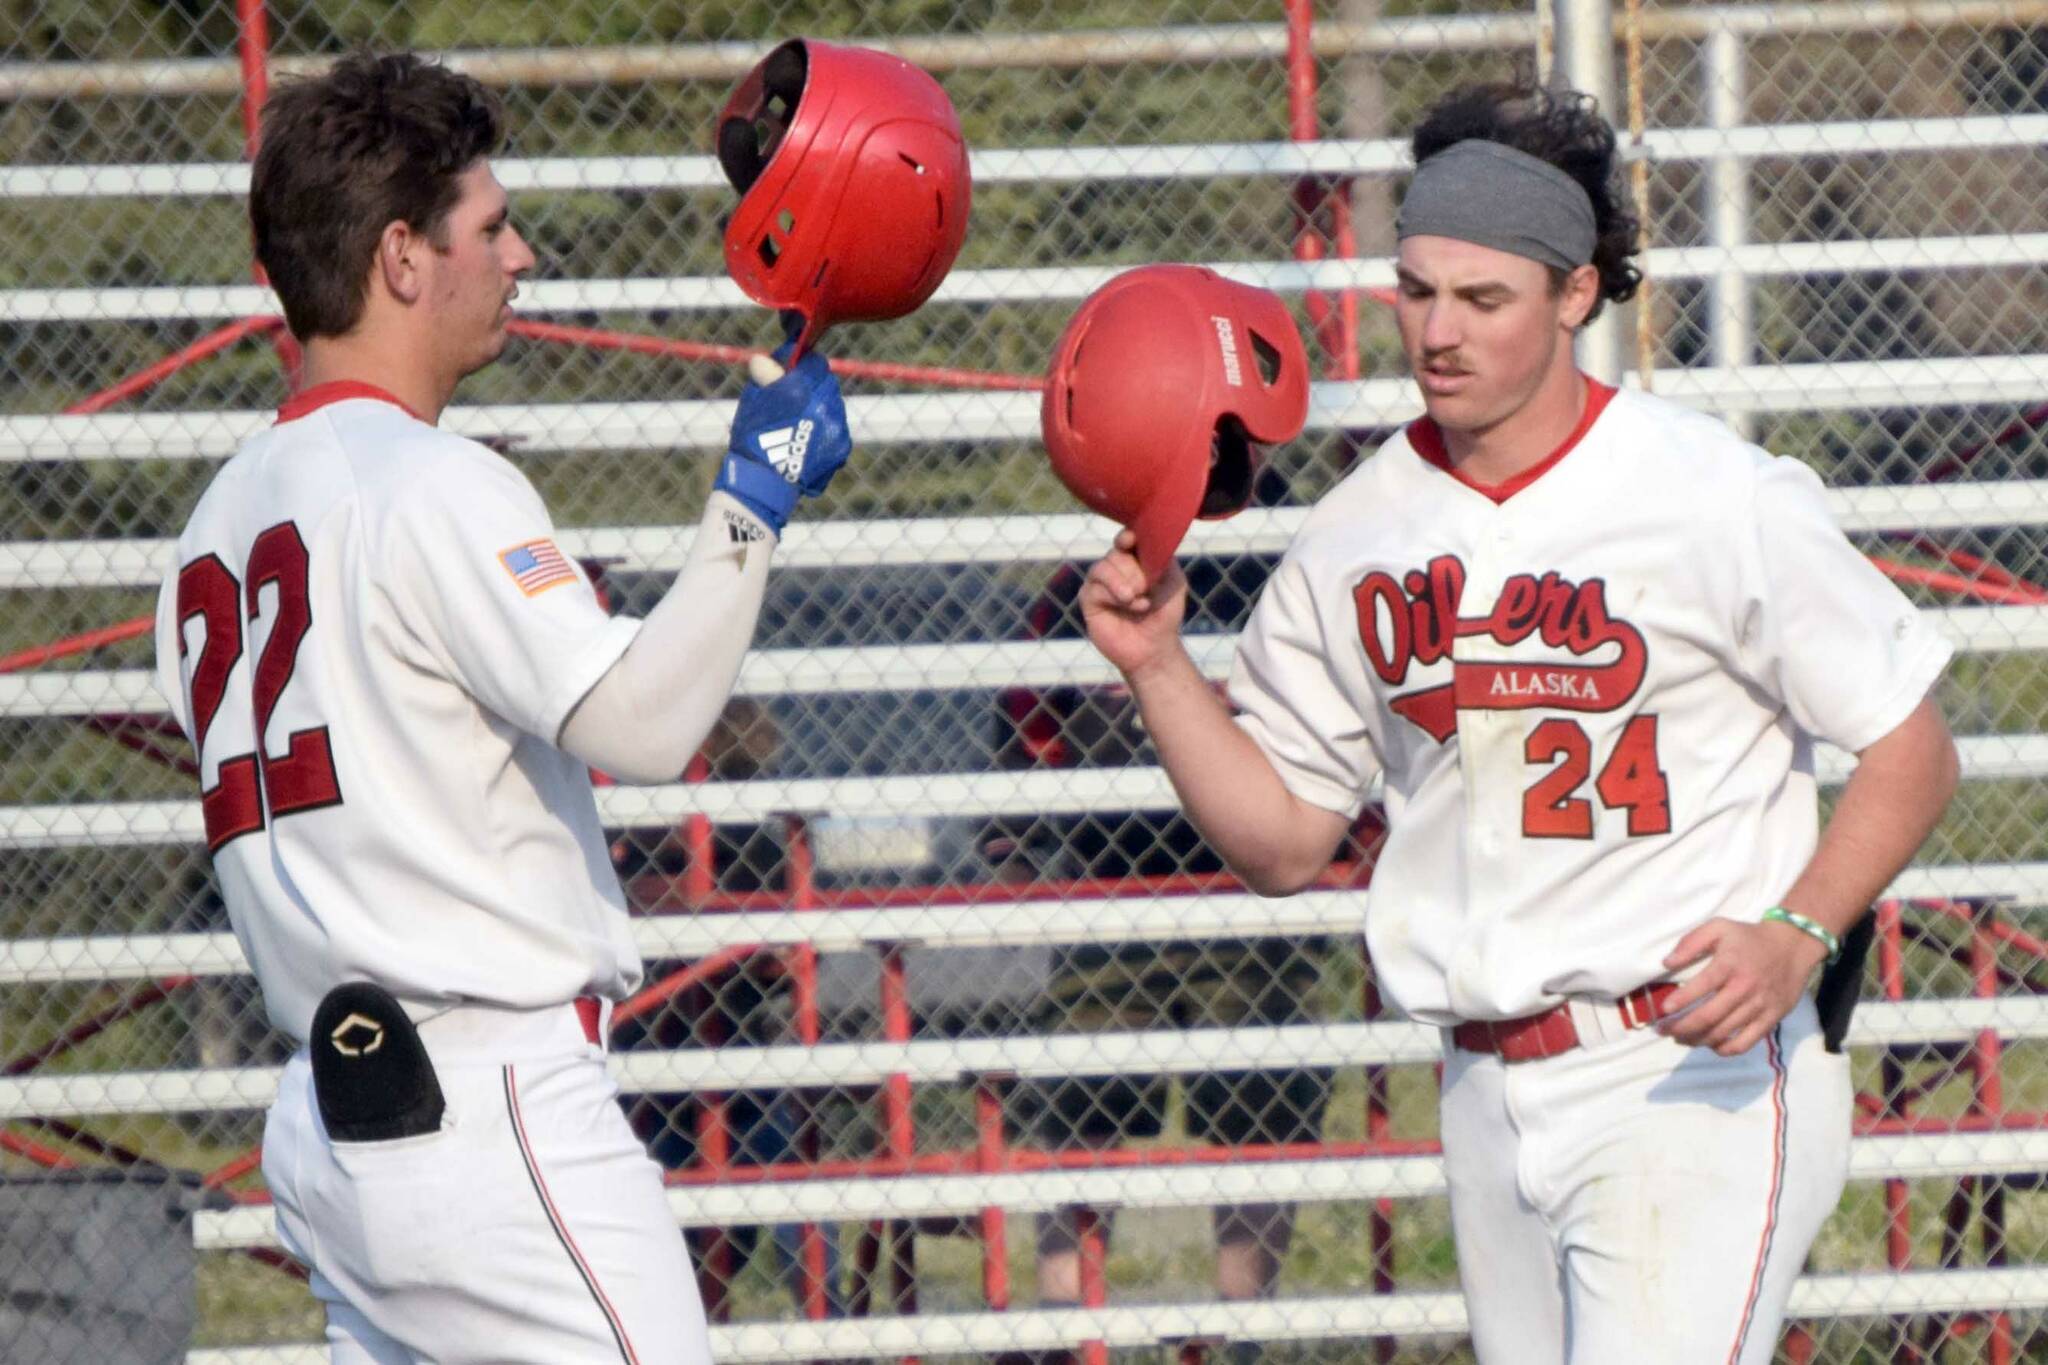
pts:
pixel 1536 1036
pixel 589 1009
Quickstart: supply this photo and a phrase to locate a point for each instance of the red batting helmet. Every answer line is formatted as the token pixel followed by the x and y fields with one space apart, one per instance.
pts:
pixel 853 184
pixel 1159 387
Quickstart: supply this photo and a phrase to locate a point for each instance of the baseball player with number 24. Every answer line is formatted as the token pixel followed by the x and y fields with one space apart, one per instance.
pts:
pixel 1587 640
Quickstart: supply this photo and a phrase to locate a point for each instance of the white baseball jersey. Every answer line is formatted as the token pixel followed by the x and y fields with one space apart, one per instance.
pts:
pixel 1592 692
pixel 373 640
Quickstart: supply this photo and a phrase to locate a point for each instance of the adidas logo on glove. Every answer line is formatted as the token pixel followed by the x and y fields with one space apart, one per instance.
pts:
pixel 789 438
pixel 784 449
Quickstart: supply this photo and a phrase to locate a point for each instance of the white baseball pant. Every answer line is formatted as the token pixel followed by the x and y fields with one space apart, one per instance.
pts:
pixel 532 1227
pixel 1636 1199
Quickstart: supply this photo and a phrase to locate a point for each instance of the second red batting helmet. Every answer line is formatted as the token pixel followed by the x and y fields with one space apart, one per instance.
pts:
pixel 853 181
pixel 1161 387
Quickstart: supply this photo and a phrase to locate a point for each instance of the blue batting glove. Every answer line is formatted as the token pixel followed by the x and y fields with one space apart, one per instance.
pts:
pixel 788 439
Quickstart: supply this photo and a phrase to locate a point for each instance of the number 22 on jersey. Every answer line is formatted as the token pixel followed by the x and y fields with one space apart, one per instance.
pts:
pixel 303 779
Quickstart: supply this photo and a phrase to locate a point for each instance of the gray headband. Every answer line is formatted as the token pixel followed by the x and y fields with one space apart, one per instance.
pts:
pixel 1490 194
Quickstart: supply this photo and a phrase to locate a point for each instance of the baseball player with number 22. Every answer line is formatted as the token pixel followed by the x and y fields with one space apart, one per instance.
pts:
pixel 1586 639
pixel 396 682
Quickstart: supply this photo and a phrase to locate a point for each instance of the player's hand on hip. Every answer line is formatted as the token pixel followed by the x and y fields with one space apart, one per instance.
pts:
pixel 1134 624
pixel 789 437
pixel 1754 975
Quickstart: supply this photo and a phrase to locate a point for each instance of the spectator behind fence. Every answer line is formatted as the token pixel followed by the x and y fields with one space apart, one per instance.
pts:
pixel 747 1006
pixel 1213 984
pixel 1216 983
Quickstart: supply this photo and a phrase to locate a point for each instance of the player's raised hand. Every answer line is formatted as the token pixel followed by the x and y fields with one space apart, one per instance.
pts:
pixel 1755 974
pixel 1133 623
pixel 789 436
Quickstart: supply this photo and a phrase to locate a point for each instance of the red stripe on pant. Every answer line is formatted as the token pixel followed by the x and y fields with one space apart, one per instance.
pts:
pixel 540 1187
pixel 1763 1251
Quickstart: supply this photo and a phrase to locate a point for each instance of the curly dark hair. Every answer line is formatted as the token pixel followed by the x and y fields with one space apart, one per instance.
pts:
pixel 1564 128
pixel 378 138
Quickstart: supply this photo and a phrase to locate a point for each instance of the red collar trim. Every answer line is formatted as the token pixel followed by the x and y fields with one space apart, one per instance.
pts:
pixel 338 391
pixel 1428 440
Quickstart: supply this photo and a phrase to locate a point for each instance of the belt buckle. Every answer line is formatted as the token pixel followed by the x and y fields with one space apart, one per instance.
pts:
pixel 1644 1005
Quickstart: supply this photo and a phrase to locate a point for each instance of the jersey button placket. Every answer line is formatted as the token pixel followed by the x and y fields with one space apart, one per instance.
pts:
pixel 1484 743
pixel 1485 737
pixel 1492 803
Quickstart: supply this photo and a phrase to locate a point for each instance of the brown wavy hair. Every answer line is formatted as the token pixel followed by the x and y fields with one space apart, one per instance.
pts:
pixel 379 138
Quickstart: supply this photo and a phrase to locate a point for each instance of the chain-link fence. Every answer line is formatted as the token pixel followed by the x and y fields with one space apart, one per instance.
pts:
pixel 929 822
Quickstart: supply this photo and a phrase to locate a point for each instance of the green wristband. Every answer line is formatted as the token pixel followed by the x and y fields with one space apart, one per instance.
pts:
pixel 1807 926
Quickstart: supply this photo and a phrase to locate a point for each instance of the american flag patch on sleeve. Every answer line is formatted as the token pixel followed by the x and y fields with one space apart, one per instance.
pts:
pixel 536 566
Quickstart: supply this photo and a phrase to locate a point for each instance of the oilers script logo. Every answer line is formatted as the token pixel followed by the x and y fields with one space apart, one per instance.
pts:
pixel 1415 621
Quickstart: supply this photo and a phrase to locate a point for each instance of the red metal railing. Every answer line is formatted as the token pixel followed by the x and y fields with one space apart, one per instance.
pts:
pixel 1322 204
pixel 675 348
